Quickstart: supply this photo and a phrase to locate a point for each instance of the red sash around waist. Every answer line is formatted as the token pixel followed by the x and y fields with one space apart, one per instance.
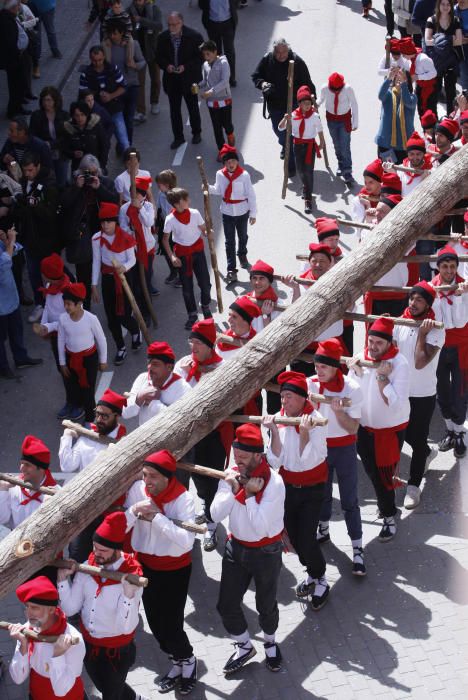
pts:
pixel 164 563
pixel 341 441
pixel 186 251
pixel 40 688
pixel 310 477
pixel 345 118
pixel 120 640
pixel 119 295
pixel 258 543
pixel 75 363
pixel 311 148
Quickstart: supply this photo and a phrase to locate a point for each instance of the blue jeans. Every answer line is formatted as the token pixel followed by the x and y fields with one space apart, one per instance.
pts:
pixel 342 145
pixel 464 70
pixel 34 271
pixel 343 460
pixel 276 116
pixel 120 130
pixel 11 329
pixel 129 107
pixel 232 224
pixel 48 20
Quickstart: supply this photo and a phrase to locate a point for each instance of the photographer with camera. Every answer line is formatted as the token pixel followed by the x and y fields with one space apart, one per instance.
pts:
pixel 79 207
pixel 271 77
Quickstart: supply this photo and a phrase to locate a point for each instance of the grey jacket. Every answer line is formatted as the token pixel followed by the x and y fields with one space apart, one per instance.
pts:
pixel 215 78
pixel 146 28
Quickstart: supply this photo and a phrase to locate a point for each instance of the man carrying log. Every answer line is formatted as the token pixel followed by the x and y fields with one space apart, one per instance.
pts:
pixel 417 159
pixel 108 610
pixel 368 196
pixel 252 496
pixel 54 669
pixel 242 313
pixel 300 454
pixel 165 552
pixel 385 415
pixel 328 233
pixel 342 427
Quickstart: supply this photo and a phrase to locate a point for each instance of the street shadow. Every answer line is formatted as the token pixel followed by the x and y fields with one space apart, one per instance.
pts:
pixel 375 16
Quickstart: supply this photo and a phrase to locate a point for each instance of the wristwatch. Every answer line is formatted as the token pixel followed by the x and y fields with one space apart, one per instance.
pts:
pixel 382 377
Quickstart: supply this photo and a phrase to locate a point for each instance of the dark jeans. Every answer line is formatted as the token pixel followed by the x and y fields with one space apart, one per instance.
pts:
pixel 83 274
pixel 54 348
pixel 108 669
pixel 305 170
pixel 16 88
pixel 11 328
pixel 343 461
pixel 422 408
pixel 34 272
pixel 129 108
pixel 221 118
pixel 114 321
pixel 200 270
pixel 276 116
pixel 175 96
pixel 301 517
pixel 451 397
pixel 48 20
pixel 209 452
pixel 366 451
pixel 389 17
pixel 164 601
pixel 393 307
pixel 231 225
pixel 449 79
pixel 83 397
pixel 240 565
pixel 425 248
pixel 223 34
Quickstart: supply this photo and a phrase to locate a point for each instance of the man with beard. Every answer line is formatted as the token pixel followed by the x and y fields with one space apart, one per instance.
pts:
pixel 108 609
pixel 421 348
pixel 54 670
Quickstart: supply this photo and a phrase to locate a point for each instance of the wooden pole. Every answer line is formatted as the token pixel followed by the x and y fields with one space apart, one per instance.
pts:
pixel 46 490
pixel 387 52
pixel 406 258
pixel 409 322
pixel 287 146
pixel 85 432
pixel 406 169
pixel 134 305
pixel 101 571
pixel 35 636
pixel 200 410
pixel 280 420
pixel 210 233
pixel 355 224
pixel 201 471
pixel 318 398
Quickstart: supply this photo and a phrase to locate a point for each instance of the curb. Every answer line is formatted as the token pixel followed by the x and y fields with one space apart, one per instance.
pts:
pixel 71 65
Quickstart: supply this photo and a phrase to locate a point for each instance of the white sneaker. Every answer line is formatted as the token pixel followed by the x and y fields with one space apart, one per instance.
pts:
pixel 430 457
pixel 36 314
pixel 139 118
pixel 412 498
pixel 155 108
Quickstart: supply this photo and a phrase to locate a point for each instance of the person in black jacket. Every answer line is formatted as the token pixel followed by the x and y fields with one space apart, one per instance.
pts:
pixel 271 77
pixel 47 123
pixel 179 57
pixel 83 134
pixel 19 142
pixel 13 44
pixel 220 24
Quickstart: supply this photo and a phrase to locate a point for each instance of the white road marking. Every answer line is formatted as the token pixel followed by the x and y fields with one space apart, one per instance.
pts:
pixel 179 154
pixel 103 384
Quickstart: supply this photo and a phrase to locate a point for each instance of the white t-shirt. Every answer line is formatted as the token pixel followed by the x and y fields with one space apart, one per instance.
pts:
pixel 185 234
pixel 122 183
pixel 422 381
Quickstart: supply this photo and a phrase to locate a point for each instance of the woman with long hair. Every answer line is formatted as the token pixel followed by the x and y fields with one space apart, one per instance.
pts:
pixel 47 124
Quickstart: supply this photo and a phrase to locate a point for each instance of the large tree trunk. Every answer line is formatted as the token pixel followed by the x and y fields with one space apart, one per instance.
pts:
pixel 191 418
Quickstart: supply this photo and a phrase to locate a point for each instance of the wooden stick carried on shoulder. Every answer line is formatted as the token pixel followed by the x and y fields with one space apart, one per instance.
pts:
pixel 46 490
pixel 35 636
pixel 100 571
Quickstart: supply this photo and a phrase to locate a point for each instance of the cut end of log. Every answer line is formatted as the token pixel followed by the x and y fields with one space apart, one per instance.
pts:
pixel 24 549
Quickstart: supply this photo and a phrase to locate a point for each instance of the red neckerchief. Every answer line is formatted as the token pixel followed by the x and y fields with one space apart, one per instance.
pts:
pixel 175 377
pixel 337 253
pixel 141 253
pixel 268 295
pixel 225 347
pixel 36 495
pixel 413 61
pixel 173 490
pixel 336 384
pixel 129 566
pixel 429 314
pixel 231 177
pixel 262 471
pixel 437 282
pixel 298 114
pixel 308 275
pixel 306 411
pixel 195 372
pixel 391 353
pixel 336 94
pixel 121 430
pixel 122 241
pixel 463 140
pixel 427 165
pixel 364 192
pixel 182 216
pixel 56 629
pixel 55 287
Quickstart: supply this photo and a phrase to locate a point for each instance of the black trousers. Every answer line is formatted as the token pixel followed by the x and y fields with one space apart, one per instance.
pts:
pixel 223 34
pixel 366 451
pixel 306 171
pixel 83 274
pixel 393 307
pixel 451 397
pixel 389 17
pixel 17 88
pixel 54 348
pixel 301 517
pixel 200 271
pixel 449 79
pixel 108 669
pixel 81 546
pixel 221 119
pixel 114 321
pixel 209 452
pixel 164 601
pixel 240 565
pixel 175 95
pixel 417 432
pixel 84 397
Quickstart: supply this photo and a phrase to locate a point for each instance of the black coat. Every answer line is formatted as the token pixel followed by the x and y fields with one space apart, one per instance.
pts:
pixel 189 56
pixel 9 54
pixel 35 216
pixel 204 6
pixel 39 126
pixel 276 72
pixel 90 140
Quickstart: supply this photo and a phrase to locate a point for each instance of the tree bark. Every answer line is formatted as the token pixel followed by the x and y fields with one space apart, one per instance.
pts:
pixel 195 415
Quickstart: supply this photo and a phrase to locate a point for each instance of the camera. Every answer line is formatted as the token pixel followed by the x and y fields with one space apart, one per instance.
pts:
pixel 88 176
pixel 268 89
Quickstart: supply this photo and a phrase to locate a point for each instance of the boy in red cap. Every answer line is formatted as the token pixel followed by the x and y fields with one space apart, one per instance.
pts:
pixel 421 348
pixel 342 118
pixel 242 313
pixel 328 233
pixel 343 424
pixel 428 123
pixel 54 669
pixel 369 195
pixel 108 609
pixel 385 415
pixel 165 552
pixel 111 244
pixel 261 278
pixel 82 350
pixel 306 129
pixel 423 72
pixel 238 208
pixel 252 496
pixel 300 454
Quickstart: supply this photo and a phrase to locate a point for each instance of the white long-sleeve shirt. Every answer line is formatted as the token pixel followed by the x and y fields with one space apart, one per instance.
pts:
pixel 61 670
pixel 75 457
pixel 53 309
pixel 314 453
pixel 183 371
pixel 81 335
pixel 313 127
pixel 346 101
pixel 107 614
pixel 160 537
pixel 10 505
pixel 455 314
pixel 242 189
pixel 146 216
pixel 401 62
pixel 167 397
pixel 104 256
pixel 352 391
pixel 253 521
pixel 375 412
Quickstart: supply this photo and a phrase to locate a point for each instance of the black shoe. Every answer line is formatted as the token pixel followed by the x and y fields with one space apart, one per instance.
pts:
pixel 193 318
pixel 323 534
pixel 233 82
pixel 7 373
pixel 308 206
pixel 304 589
pixel 26 301
pixel 176 143
pixel 166 683
pixel 210 541
pixel 359 568
pixel 273 663
pixel 388 530
pixel 231 276
pixel 57 54
pixel 460 448
pixel 196 138
pixel 120 356
pixel 28 362
pixel 188 684
pixel 292 173
pixel 244 262
pixel 154 292
pixel 206 312
pixel 234 664
pixel 173 277
pixel 136 341
pixel 448 441
pixel 282 154
pixel 319 600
